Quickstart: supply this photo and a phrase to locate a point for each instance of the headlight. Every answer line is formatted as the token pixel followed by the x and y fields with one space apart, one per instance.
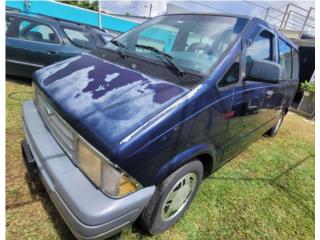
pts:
pixel 89 162
pixel 102 173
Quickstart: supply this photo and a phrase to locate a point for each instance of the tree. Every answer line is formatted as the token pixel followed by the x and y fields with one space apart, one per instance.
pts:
pixel 93 5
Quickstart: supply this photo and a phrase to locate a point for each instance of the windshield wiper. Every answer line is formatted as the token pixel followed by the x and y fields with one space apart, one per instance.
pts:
pixel 121 46
pixel 165 55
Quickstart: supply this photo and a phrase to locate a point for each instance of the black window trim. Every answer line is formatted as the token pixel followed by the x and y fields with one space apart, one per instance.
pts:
pixel 20 19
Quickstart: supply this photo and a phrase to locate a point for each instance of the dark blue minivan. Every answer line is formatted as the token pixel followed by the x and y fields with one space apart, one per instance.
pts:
pixel 130 130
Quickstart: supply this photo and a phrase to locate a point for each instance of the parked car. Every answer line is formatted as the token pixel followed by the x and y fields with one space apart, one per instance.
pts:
pixel 35 41
pixel 132 129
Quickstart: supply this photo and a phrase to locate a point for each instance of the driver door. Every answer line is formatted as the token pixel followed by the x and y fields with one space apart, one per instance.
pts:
pixel 251 106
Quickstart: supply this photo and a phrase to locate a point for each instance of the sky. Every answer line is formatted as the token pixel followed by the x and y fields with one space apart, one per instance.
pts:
pixel 137 8
pixel 242 7
pixel 254 8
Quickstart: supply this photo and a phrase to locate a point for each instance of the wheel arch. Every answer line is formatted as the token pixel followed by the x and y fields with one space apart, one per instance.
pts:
pixel 207 161
pixel 205 153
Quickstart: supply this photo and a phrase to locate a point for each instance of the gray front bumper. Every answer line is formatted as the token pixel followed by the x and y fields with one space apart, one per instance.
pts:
pixel 88 212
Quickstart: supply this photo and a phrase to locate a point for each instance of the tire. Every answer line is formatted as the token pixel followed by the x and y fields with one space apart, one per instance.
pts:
pixel 160 213
pixel 274 130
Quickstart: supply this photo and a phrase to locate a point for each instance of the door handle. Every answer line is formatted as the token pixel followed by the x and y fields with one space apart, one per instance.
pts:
pixel 52 52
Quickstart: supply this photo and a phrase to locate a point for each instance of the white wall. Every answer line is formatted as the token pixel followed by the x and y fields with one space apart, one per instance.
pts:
pixel 173 8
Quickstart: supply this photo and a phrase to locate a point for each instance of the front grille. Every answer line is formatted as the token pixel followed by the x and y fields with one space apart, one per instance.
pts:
pixel 60 130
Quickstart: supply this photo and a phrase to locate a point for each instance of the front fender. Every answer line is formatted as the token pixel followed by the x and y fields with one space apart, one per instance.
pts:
pixel 184 157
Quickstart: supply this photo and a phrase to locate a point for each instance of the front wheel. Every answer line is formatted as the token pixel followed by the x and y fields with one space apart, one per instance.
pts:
pixel 172 198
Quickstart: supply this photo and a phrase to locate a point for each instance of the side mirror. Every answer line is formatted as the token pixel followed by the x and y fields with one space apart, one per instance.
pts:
pixel 265 71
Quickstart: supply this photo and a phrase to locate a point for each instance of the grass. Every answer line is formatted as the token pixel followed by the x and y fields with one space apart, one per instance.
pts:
pixel 266 192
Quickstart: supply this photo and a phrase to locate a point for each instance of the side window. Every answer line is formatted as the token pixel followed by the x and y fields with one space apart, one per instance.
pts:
pixel 260 49
pixel 285 59
pixel 35 31
pixel 232 75
pixel 295 65
pixel 9 22
pixel 79 38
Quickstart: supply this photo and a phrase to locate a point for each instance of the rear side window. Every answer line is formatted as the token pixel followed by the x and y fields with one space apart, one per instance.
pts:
pixel 36 31
pixel 260 49
pixel 285 59
pixel 295 65
pixel 79 38
pixel 9 22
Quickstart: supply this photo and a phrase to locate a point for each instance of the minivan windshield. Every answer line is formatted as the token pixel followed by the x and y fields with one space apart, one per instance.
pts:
pixel 193 42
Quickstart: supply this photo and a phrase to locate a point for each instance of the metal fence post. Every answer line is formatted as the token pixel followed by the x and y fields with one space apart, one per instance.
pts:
pixel 285 24
pixel 267 12
pixel 305 23
pixel 99 5
pixel 284 16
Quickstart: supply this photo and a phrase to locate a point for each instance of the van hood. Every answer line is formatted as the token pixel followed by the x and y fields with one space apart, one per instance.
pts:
pixel 103 101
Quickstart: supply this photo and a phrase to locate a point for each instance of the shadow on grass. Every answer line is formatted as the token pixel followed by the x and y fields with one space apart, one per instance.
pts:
pixel 273 181
pixel 19 80
pixel 38 193
pixel 20 95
